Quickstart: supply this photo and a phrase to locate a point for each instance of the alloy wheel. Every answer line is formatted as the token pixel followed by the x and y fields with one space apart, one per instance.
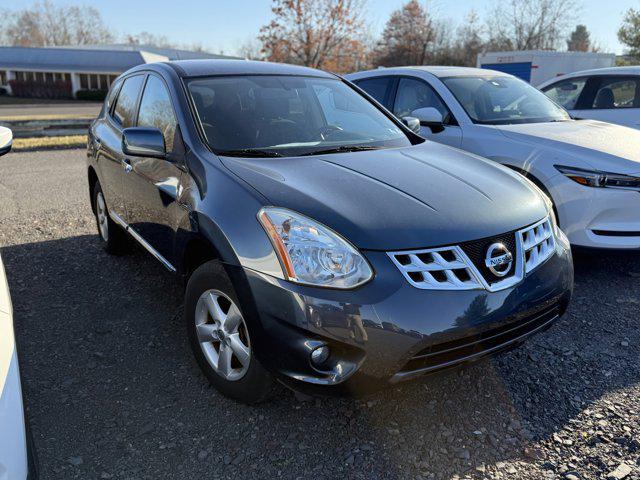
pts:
pixel 223 335
pixel 103 219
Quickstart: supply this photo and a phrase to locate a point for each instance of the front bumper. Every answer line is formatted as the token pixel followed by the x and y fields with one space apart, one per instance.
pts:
pixel 597 217
pixel 388 331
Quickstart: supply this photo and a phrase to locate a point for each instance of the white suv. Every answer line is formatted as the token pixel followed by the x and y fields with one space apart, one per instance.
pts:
pixel 590 169
pixel 607 94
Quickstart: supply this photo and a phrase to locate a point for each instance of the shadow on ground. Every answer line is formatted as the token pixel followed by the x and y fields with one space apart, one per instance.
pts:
pixel 113 391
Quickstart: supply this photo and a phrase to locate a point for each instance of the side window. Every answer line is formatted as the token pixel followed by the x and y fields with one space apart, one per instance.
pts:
pixel 566 92
pixel 377 87
pixel 616 92
pixel 413 94
pixel 126 104
pixel 113 92
pixel 156 110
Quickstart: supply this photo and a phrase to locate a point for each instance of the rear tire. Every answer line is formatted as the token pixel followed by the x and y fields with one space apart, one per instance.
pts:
pixel 221 338
pixel 113 238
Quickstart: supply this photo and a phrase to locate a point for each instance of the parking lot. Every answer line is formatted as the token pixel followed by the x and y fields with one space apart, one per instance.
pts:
pixel 113 391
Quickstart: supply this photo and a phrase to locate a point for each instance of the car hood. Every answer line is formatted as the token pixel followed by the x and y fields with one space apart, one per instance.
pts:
pixel 414 197
pixel 601 145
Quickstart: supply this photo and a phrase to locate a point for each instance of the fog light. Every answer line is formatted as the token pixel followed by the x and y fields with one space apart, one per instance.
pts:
pixel 320 355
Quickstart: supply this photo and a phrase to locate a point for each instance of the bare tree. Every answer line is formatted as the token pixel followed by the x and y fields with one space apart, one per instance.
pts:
pixel 469 41
pixel 45 24
pixel 579 40
pixel 317 33
pixel 251 50
pixel 530 24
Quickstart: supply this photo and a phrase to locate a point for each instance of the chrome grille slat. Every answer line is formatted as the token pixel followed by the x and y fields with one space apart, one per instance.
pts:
pixel 538 244
pixel 439 268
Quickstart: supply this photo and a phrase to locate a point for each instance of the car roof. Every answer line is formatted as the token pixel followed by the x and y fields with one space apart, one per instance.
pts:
pixel 208 67
pixel 629 70
pixel 440 71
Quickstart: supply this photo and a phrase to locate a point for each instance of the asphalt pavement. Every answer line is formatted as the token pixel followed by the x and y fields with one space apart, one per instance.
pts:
pixel 114 393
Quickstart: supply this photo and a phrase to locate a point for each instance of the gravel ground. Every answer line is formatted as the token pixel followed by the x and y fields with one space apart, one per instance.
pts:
pixel 113 391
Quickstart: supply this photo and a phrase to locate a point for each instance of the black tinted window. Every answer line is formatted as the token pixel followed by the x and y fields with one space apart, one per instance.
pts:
pixel 156 110
pixel 126 103
pixel 616 92
pixel 378 88
pixel 413 94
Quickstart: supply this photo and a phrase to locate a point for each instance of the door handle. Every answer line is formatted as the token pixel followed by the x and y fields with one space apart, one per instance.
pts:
pixel 127 166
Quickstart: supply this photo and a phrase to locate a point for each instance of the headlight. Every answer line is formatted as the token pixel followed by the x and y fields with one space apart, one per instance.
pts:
pixel 594 178
pixel 311 253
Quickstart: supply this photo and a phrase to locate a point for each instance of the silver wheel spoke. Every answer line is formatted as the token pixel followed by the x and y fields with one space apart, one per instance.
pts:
pixel 224 360
pixel 214 308
pixel 232 320
pixel 207 332
pixel 241 352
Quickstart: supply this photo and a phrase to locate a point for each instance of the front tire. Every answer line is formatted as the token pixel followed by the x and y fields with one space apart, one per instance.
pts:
pixel 112 237
pixel 220 337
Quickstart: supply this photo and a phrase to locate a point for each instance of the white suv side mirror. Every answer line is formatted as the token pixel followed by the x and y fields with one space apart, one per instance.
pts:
pixel 6 139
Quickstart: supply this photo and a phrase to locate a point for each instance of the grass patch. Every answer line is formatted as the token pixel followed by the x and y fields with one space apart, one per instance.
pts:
pixel 48 143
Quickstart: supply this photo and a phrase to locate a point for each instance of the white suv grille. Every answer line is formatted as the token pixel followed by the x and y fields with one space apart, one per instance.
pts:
pixel 449 268
pixel 538 244
pixel 445 268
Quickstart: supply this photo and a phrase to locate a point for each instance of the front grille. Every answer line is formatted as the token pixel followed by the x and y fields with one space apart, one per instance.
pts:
pixel 477 250
pixel 463 267
pixel 449 353
pixel 436 269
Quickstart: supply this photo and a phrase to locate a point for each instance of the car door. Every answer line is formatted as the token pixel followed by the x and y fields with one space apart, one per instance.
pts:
pixel 152 185
pixel 110 159
pixel 613 99
pixel 413 93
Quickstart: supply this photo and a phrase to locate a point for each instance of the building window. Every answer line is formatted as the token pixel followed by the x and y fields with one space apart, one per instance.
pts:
pixel 3 77
pixel 84 81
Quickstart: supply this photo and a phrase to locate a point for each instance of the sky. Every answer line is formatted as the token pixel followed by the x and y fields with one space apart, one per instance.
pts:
pixel 224 25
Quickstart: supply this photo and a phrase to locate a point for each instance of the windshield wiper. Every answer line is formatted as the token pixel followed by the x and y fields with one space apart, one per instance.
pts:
pixel 248 152
pixel 341 149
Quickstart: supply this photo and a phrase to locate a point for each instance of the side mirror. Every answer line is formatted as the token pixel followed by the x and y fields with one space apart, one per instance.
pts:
pixel 6 140
pixel 411 123
pixel 429 116
pixel 143 142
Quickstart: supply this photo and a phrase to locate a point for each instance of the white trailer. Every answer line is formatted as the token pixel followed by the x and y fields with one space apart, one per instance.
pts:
pixel 537 66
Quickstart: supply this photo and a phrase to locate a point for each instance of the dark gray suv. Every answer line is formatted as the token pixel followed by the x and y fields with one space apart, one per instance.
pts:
pixel 322 242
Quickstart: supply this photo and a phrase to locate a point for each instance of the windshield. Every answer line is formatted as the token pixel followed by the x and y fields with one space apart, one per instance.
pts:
pixel 265 115
pixel 503 100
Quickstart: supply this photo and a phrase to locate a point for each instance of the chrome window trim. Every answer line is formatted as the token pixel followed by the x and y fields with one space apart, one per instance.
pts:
pixel 520 271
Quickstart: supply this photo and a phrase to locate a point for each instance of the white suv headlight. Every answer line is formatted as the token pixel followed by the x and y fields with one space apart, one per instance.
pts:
pixel 311 253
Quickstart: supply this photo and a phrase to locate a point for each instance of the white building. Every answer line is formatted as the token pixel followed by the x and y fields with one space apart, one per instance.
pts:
pixel 67 70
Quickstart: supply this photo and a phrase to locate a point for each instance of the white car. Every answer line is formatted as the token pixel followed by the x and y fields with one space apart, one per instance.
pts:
pixel 607 94
pixel 6 140
pixel 590 169
pixel 14 457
